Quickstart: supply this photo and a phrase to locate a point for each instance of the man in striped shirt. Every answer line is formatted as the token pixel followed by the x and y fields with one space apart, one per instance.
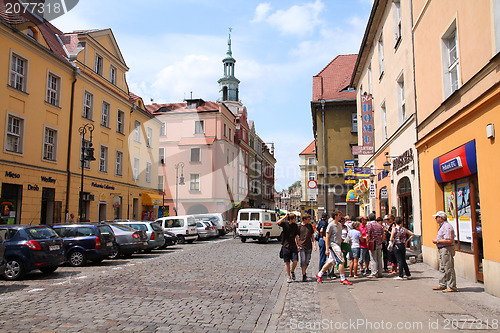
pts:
pixel 375 232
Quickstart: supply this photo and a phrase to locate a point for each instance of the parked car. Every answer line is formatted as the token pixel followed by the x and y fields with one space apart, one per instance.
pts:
pixel 30 247
pixel 217 218
pixel 154 231
pixel 2 256
pixel 127 240
pixel 183 226
pixel 204 230
pixel 257 224
pixel 170 239
pixel 214 232
pixel 84 242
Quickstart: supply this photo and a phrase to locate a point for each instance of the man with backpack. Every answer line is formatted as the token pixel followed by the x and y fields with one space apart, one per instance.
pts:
pixel 305 241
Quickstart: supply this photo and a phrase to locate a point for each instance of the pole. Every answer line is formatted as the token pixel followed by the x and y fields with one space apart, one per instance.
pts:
pixel 82 164
pixel 176 188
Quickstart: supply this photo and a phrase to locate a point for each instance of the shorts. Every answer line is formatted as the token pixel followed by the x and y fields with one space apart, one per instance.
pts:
pixel 305 257
pixel 364 255
pixel 335 254
pixel 290 254
pixel 355 252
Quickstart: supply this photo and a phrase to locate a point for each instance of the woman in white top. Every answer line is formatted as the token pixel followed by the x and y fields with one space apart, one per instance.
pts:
pixel 355 236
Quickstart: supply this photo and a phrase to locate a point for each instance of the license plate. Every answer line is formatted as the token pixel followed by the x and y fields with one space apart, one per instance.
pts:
pixel 54 247
pixel 109 244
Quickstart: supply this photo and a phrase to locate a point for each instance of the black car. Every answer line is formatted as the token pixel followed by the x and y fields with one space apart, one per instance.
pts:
pixel 170 239
pixel 30 247
pixel 84 242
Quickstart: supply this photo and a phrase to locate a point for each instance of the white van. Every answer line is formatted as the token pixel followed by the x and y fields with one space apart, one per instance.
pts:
pixel 258 224
pixel 184 227
pixel 216 218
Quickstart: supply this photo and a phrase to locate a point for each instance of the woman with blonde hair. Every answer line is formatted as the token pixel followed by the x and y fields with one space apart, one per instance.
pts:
pixel 399 239
pixel 355 235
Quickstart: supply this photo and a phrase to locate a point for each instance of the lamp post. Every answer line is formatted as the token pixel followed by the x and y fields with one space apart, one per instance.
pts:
pixel 178 181
pixel 86 155
pixel 325 173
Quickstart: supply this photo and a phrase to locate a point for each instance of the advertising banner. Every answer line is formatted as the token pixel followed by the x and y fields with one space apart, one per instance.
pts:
pixel 464 213
pixel 351 175
pixel 367 123
pixel 450 204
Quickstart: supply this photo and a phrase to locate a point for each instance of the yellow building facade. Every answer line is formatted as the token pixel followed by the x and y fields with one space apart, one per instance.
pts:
pixel 457 75
pixel 57 87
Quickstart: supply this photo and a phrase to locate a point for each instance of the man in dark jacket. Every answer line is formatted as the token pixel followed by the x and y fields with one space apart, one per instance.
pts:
pixel 289 244
pixel 321 229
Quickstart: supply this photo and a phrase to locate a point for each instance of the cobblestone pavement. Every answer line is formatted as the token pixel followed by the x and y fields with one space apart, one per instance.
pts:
pixel 221 285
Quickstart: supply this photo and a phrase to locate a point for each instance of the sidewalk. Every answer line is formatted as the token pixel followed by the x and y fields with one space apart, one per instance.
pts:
pixel 382 305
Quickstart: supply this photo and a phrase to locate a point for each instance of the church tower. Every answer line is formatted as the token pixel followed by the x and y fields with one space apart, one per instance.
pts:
pixel 229 84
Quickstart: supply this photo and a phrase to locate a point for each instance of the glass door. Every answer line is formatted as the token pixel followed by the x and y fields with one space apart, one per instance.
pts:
pixel 477 230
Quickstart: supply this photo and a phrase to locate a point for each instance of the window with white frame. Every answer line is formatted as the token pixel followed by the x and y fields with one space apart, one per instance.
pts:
pixel 53 89
pixel 199 127
pixel 148 172
pixel 312 176
pixel 112 75
pixel 119 163
pixel 161 183
pixel 98 65
pixel 88 105
pixel 384 121
pixel 135 171
pixel 451 61
pixel 15 134
pixel 311 161
pixel 163 129
pixel 354 121
pixel 137 131
pixel 195 155
pixel 103 159
pixel 194 182
pixel 85 144
pixel 162 155
pixel 381 56
pixel 401 97
pixel 149 137
pixel 105 114
pixel 50 144
pixel 396 11
pixel 120 122
pixel 18 72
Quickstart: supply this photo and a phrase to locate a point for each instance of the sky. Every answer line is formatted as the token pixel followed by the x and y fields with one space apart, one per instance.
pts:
pixel 174 48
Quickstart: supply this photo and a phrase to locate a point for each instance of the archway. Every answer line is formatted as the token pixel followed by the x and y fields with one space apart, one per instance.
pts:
pixel 197 209
pixel 405 202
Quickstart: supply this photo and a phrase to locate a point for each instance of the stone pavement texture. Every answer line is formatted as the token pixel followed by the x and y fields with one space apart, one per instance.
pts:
pixel 224 285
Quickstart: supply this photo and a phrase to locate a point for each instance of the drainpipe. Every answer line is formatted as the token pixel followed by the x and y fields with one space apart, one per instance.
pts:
pixel 325 172
pixel 76 71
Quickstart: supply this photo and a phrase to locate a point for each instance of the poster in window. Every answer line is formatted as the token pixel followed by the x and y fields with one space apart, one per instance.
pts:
pixel 8 211
pixel 464 211
pixel 450 204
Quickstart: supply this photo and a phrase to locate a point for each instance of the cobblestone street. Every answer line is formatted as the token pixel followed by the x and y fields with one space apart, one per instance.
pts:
pixel 219 285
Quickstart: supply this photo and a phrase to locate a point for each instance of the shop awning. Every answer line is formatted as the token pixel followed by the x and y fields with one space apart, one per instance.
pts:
pixel 150 199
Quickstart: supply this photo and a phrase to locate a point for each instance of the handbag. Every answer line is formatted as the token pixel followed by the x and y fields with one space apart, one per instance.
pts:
pixel 371 245
pixel 281 253
pixel 390 246
pixel 347 239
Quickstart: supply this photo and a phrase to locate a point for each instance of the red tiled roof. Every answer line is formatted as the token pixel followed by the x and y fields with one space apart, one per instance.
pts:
pixel 181 107
pixel 133 97
pixel 310 150
pixel 334 78
pixel 48 31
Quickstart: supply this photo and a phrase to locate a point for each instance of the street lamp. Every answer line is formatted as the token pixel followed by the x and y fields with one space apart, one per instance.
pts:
pixel 178 181
pixel 87 155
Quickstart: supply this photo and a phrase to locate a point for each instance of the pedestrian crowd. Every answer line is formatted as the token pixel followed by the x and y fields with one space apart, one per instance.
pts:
pixel 363 247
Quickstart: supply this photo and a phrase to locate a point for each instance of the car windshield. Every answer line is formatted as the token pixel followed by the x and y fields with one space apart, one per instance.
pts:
pixel 244 216
pixel 41 233
pixel 174 223
pixel 105 230
pixel 199 225
pixel 138 226
pixel 156 227
pixel 122 227
pixel 191 222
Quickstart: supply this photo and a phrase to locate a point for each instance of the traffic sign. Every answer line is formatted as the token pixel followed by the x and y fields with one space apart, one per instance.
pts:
pixel 312 184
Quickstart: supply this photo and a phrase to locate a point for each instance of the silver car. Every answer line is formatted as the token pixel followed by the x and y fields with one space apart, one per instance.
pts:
pixel 128 240
pixel 154 231
pixel 203 230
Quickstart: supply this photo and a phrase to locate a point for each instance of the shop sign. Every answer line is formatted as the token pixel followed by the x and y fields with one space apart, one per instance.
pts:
pixel 458 163
pixel 401 162
pixel 384 194
pixel 351 197
pixel 373 191
pixel 362 150
pixel 351 175
pixel 48 179
pixel 104 186
pixel 11 174
pixel 367 121
pixel 33 188
pixel 8 211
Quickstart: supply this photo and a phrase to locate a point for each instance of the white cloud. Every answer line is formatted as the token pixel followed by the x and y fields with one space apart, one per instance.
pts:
pixel 261 12
pixel 296 20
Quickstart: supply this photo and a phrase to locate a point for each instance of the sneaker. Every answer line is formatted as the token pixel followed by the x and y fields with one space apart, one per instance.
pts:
pixel 371 276
pixel 293 276
pixel 398 278
pixel 319 278
pixel 356 276
pixel 304 278
pixel 289 280
pixel 409 278
pixel 449 290
pixel 346 282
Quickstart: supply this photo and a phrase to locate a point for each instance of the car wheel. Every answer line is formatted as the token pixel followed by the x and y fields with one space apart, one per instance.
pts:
pixel 264 240
pixel 77 258
pixel 181 240
pixel 48 269
pixel 115 253
pixel 14 270
pixel 243 239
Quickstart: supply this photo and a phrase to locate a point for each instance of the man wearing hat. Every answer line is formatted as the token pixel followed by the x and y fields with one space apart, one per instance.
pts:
pixel 321 229
pixel 445 243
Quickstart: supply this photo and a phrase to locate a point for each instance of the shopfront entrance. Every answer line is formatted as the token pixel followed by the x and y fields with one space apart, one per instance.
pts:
pixel 48 206
pixel 405 203
pixel 11 201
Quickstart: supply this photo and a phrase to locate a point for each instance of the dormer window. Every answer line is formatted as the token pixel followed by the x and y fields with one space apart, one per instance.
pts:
pixel 31 32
